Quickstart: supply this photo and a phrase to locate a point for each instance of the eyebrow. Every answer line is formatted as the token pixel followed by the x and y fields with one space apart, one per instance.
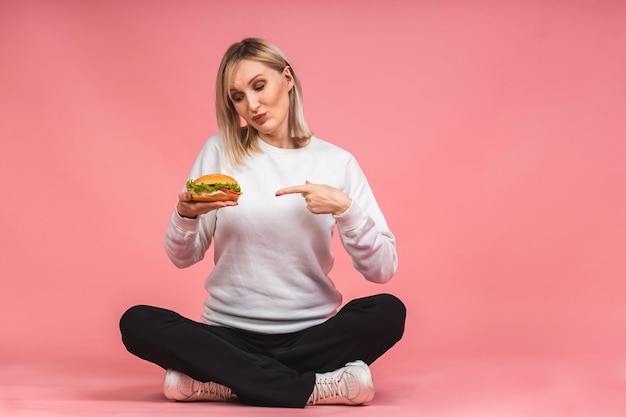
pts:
pixel 249 82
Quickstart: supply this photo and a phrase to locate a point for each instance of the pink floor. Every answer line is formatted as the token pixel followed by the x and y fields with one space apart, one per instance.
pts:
pixel 442 386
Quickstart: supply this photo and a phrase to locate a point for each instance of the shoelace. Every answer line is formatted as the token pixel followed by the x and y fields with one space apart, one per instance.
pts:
pixel 211 388
pixel 326 389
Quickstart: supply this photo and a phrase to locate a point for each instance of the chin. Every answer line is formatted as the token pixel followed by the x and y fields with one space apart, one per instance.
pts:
pixel 265 130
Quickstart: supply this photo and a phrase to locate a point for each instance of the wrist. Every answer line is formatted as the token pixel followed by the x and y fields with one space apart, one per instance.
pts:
pixel 184 215
pixel 342 209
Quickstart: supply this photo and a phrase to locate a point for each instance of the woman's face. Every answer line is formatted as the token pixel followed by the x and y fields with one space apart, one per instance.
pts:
pixel 260 95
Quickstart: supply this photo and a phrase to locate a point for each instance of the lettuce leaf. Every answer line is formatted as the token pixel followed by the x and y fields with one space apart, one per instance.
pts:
pixel 208 188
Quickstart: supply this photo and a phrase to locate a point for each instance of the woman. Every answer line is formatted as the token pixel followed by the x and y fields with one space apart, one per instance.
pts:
pixel 271 334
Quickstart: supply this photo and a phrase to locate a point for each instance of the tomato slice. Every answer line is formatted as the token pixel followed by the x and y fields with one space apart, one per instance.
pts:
pixel 229 191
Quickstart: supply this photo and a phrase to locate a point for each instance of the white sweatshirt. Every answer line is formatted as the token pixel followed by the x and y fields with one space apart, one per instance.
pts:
pixel 272 256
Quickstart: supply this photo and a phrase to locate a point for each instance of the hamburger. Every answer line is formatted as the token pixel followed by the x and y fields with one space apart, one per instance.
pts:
pixel 214 187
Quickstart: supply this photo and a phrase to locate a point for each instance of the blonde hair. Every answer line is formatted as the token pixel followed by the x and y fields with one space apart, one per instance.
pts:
pixel 240 141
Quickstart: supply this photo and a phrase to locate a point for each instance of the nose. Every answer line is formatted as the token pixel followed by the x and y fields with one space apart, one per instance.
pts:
pixel 253 102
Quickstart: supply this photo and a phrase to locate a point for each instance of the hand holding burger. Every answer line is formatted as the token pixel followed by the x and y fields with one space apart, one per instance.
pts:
pixel 206 193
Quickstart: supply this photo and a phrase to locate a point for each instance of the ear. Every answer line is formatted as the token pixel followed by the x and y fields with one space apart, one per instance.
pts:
pixel 288 77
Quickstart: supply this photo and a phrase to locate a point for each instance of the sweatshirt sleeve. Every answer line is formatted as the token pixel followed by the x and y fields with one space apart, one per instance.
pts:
pixel 364 232
pixel 185 240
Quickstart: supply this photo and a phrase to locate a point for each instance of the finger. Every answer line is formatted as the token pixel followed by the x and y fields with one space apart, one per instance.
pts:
pixel 184 196
pixel 297 189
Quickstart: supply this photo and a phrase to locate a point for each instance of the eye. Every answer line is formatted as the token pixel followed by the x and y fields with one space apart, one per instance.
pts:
pixel 259 86
pixel 237 98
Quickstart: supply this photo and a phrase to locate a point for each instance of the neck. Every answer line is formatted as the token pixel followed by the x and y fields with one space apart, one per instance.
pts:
pixel 283 141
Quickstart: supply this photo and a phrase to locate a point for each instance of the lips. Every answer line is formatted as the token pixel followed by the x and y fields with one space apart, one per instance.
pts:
pixel 259 118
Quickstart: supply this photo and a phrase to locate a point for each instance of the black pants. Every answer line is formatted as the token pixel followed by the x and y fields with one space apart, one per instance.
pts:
pixel 265 369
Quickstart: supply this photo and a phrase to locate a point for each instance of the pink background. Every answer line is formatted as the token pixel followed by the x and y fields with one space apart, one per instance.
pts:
pixel 492 133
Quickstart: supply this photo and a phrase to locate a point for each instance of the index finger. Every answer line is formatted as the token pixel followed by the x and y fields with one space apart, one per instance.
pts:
pixel 296 189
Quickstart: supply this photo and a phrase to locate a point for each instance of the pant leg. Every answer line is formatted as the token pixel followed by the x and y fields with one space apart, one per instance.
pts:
pixel 211 353
pixel 364 329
